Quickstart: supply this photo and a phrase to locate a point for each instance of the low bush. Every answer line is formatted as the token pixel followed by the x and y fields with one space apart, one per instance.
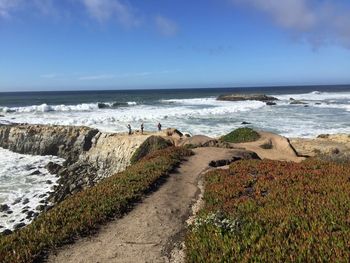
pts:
pixel 241 135
pixel 84 212
pixel 271 211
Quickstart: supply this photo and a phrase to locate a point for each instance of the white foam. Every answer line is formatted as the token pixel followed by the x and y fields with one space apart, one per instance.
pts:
pixel 23 176
pixel 316 96
pixel 59 108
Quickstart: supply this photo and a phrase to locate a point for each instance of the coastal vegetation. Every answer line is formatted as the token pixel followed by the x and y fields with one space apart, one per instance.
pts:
pixel 273 211
pixel 241 135
pixel 84 212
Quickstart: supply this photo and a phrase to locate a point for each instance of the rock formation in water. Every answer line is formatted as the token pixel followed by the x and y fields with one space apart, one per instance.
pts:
pixel 244 97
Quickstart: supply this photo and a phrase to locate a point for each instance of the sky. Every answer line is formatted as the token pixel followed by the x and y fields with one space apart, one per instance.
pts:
pixel 124 44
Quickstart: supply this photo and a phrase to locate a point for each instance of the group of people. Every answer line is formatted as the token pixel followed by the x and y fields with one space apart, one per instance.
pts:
pixel 159 126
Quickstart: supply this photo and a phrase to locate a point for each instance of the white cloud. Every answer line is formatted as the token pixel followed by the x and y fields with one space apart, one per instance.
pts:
pixel 103 10
pixel 166 26
pixel 48 76
pixel 6 6
pixel 319 22
pixel 97 77
pixel 46 7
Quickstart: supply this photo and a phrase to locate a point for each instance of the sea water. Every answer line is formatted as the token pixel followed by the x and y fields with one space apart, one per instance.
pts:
pixel 24 183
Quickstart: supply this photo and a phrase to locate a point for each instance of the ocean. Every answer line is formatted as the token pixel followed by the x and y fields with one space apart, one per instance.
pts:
pixel 195 111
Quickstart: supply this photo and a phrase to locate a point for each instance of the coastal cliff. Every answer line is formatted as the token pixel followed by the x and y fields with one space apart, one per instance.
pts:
pixel 90 154
pixel 67 142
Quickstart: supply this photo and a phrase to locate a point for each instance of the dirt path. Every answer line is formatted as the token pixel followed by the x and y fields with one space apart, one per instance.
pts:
pixel 151 230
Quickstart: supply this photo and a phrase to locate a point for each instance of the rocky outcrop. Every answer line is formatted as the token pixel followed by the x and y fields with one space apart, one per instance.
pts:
pixel 111 153
pixel 335 145
pixel 199 141
pixel 90 155
pixel 64 141
pixel 244 97
pixel 151 144
pixel 296 102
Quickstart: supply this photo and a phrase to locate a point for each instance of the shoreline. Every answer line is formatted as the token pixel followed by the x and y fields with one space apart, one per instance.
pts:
pixel 81 169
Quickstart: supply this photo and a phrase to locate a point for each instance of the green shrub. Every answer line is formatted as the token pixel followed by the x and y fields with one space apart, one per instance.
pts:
pixel 271 211
pixel 84 212
pixel 151 144
pixel 241 135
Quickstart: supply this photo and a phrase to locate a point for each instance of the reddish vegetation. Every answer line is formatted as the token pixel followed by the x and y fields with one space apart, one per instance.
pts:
pixel 270 211
pixel 84 212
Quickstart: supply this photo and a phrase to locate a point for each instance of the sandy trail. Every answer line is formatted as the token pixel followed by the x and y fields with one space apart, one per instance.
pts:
pixel 153 228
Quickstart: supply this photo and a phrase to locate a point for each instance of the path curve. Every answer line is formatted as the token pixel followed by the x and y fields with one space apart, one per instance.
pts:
pixel 152 229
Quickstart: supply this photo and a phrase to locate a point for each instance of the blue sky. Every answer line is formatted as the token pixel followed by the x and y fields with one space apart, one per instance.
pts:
pixel 120 44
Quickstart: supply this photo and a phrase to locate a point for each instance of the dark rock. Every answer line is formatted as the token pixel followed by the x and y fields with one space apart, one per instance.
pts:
pixel 24 211
pixel 25 201
pixel 49 182
pixel 4 208
pixel 36 172
pixel 245 123
pixel 270 103
pixel 30 214
pixel 26 207
pixel 243 97
pixel 2 115
pixel 323 136
pixel 17 200
pixel 53 168
pixel 42 195
pixel 6 232
pixel 297 102
pixel 335 151
pixel 4 216
pixel 19 225
pixel 40 207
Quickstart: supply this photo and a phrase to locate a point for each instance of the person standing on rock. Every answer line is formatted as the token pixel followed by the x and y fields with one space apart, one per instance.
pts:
pixel 159 126
pixel 142 127
pixel 129 128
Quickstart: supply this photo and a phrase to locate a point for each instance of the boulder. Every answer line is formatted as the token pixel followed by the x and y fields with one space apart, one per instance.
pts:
pixel 53 168
pixel 19 225
pixel 270 103
pixel 4 208
pixel 152 144
pixel 198 141
pixel 244 97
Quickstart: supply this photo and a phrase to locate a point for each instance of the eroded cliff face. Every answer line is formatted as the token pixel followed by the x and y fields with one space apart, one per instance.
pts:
pixel 111 153
pixel 63 141
pixel 90 155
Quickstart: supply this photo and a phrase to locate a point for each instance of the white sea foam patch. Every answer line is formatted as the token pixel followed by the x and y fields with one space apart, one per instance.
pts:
pixel 24 183
pixel 334 106
pixel 65 108
pixel 316 96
